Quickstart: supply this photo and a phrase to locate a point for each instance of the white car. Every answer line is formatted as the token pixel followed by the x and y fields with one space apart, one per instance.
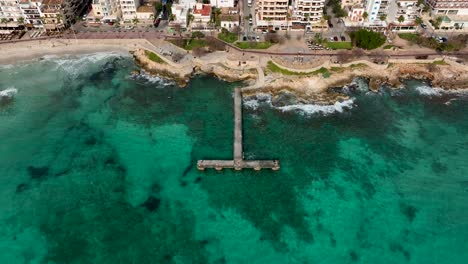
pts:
pixel 128 27
pixel 257 38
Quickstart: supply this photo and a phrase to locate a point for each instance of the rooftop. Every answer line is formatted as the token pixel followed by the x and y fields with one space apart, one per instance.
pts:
pixel 205 10
pixel 145 9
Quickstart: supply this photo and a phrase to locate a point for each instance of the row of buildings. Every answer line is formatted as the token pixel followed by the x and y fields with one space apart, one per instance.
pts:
pixel 192 14
pixel 398 14
pixel 47 14
pixel 269 14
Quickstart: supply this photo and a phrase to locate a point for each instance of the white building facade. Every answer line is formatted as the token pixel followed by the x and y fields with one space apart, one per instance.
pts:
pixel 307 13
pixel 10 10
pixel 107 10
pixel 32 14
pixel 448 7
pixel 272 14
pixel 129 9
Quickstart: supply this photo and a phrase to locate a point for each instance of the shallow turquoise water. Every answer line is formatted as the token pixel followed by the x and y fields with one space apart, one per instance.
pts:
pixel 97 166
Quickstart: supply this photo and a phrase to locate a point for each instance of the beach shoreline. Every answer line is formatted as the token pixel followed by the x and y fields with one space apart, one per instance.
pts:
pixel 312 84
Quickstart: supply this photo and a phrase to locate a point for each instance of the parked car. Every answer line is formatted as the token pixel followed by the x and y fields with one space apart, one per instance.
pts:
pixel 330 25
pixel 258 38
pixel 264 31
pixel 424 26
pixel 343 38
pixel 244 38
pixel 272 31
pixel 335 38
pixel 331 38
pixel 129 27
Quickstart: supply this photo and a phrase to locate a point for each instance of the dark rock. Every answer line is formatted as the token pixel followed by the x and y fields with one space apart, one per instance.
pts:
pixel 21 187
pixel 152 203
pixel 38 173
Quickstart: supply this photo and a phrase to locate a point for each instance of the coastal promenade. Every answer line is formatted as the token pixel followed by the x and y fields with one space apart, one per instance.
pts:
pixel 238 163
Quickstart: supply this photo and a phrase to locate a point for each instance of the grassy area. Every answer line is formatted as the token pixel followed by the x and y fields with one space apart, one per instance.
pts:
pixel 409 36
pixel 189 44
pixel 253 45
pixel 228 36
pixel 439 62
pixel 339 45
pixel 388 46
pixel 272 67
pixel 152 56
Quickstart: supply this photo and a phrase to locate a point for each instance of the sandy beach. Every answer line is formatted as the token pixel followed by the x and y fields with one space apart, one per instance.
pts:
pixel 27 50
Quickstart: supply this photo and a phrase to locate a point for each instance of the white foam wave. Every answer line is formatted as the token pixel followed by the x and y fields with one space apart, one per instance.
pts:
pixel 75 64
pixel 162 82
pixel 309 109
pixel 429 91
pixel 305 109
pixel 9 92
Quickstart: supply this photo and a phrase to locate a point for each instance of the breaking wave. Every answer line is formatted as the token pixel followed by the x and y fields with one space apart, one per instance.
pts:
pixel 428 91
pixel 305 109
pixel 145 76
pixel 8 93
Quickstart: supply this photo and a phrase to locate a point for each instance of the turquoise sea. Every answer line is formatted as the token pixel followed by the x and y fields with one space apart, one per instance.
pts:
pixel 98 166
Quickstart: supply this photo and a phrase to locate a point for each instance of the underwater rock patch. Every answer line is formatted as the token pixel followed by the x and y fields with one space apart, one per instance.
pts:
pixel 152 203
pixel 38 173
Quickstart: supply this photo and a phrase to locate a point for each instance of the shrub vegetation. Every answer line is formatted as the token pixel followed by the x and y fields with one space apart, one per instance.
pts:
pixel 367 39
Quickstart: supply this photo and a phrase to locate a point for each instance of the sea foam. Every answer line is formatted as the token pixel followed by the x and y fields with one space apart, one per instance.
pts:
pixel 304 109
pixel 8 93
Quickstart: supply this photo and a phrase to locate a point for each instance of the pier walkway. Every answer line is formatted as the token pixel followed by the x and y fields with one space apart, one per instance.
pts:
pixel 238 163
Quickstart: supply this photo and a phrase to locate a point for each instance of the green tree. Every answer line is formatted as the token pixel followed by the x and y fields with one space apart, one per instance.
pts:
pixel 21 20
pixel 418 21
pixel 368 39
pixel 4 21
pixel 401 19
pixel 198 34
pixel 158 7
pixel 383 17
pixel 135 20
pixel 365 15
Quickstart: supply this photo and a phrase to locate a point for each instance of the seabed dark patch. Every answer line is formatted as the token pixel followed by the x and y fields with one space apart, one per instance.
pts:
pixel 152 203
pixel 38 173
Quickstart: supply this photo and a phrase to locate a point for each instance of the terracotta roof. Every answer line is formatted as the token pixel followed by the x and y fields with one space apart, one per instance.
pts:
pixel 204 11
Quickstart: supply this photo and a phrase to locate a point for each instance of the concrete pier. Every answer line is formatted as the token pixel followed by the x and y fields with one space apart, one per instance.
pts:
pixel 238 163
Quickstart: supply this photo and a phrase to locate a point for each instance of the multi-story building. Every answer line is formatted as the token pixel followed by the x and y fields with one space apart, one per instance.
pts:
pixel 106 10
pixel 201 15
pixel 10 10
pixel 52 10
pixel 31 10
pixel 408 9
pixel 273 14
pixel 448 7
pixel 180 11
pixel 306 13
pixel 129 9
pixel 375 9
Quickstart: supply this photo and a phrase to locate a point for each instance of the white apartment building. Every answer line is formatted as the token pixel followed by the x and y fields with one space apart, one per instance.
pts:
pixel 10 10
pixel 129 9
pixel 106 10
pixel 180 11
pixel 376 8
pixel 31 10
pixel 408 9
pixel 222 3
pixel 273 14
pixel 306 13
pixel 448 7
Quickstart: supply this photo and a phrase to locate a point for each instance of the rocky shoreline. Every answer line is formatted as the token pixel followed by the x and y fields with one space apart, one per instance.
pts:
pixel 316 87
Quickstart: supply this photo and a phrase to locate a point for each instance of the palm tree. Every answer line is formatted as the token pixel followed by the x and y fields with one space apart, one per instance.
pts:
pixel 383 17
pixel 21 20
pixel 135 21
pixel 418 21
pixel 401 19
pixel 365 15
pixel 4 21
